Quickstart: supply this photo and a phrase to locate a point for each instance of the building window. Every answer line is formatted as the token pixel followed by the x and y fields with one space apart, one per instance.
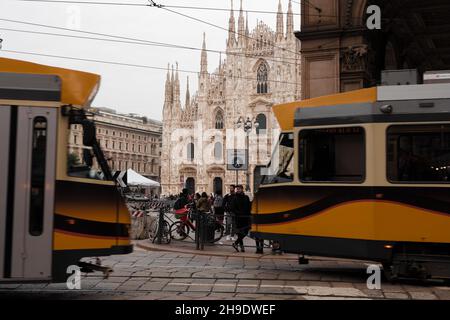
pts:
pixel 120 145
pixel 75 139
pixel 324 155
pixel 153 149
pixel 190 152
pixel 219 120
pixel 152 168
pixel 262 123
pixel 139 148
pixel 418 153
pixel 218 151
pixel 126 147
pixel 262 78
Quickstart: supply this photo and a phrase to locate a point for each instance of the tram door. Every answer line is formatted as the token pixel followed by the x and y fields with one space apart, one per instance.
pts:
pixel 30 193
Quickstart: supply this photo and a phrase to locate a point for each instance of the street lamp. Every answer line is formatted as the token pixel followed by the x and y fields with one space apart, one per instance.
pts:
pixel 247 125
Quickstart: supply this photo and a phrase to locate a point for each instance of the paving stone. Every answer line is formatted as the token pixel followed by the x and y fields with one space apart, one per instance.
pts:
pixel 106 286
pixel 177 288
pixel 151 286
pixel 422 295
pixel 442 294
pixel 396 295
pixel 201 288
pixel 246 289
pixel 289 276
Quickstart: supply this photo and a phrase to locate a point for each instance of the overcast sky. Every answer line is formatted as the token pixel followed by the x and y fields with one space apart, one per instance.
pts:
pixel 127 89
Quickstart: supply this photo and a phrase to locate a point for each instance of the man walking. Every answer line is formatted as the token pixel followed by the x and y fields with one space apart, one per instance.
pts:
pixel 241 207
pixel 229 216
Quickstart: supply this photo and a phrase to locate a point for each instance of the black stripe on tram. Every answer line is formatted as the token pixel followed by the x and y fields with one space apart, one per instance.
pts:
pixel 90 227
pixel 10 192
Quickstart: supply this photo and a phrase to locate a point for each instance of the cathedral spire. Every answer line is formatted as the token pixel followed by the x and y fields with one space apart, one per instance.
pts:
pixel 176 86
pixel 231 28
pixel 280 25
pixel 204 58
pixel 188 95
pixel 168 95
pixel 241 29
pixel 247 32
pixel 290 22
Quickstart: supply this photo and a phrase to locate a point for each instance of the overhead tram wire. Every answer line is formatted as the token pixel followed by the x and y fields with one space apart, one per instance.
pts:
pixel 154 4
pixel 184 7
pixel 134 65
pixel 222 28
pixel 129 40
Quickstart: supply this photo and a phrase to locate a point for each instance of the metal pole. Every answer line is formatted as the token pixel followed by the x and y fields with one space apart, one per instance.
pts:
pixel 248 164
pixel 160 225
pixel 197 231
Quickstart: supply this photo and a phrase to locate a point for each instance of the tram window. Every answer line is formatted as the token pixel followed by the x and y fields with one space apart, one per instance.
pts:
pixel 80 161
pixel 332 155
pixel 418 153
pixel 281 166
pixel 37 194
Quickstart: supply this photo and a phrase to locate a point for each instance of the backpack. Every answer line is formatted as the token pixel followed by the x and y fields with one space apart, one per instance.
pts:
pixel 179 204
pixel 218 201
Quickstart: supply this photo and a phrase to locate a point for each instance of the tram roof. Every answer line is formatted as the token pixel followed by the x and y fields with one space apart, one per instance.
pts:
pixel 364 102
pixel 285 113
pixel 75 87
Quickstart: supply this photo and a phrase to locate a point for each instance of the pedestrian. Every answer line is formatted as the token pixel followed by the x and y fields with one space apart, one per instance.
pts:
pixel 203 205
pixel 218 206
pixel 241 207
pixel 229 216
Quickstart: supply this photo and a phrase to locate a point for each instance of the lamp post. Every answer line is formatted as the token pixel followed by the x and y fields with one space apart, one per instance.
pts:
pixel 247 125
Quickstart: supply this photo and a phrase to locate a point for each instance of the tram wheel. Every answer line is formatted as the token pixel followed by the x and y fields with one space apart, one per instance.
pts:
pixel 389 273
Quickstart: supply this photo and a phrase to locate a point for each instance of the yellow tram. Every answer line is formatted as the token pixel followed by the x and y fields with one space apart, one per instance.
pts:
pixel 55 207
pixel 363 175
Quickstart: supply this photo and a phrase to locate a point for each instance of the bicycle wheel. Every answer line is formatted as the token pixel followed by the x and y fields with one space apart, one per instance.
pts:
pixel 218 231
pixel 153 230
pixel 166 238
pixel 179 231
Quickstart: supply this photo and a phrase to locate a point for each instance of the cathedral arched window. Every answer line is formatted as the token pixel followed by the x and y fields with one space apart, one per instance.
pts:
pixel 190 151
pixel 218 151
pixel 262 78
pixel 262 123
pixel 219 120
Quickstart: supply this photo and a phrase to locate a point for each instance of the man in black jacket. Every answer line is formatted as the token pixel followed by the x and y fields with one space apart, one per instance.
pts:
pixel 229 216
pixel 240 206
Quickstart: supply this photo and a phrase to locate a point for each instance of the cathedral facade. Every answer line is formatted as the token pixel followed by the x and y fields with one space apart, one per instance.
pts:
pixel 261 68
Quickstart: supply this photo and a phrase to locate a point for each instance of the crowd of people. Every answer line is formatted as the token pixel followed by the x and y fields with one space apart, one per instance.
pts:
pixel 232 210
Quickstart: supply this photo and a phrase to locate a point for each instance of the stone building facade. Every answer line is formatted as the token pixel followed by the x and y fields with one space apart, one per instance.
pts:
pixel 342 52
pixel 128 142
pixel 261 68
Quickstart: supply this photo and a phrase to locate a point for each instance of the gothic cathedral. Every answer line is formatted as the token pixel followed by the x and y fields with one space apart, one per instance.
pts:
pixel 261 68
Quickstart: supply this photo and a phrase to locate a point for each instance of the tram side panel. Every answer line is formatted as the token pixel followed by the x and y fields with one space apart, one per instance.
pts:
pixel 5 116
pixel 97 226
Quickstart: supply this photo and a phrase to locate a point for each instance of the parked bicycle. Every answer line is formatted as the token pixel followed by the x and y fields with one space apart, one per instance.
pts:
pixel 181 229
pixel 154 229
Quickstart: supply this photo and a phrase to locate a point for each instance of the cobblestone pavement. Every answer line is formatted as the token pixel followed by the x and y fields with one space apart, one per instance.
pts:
pixel 168 275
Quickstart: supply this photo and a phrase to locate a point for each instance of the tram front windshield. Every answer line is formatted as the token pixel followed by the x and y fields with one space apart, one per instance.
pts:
pixel 281 166
pixel 81 160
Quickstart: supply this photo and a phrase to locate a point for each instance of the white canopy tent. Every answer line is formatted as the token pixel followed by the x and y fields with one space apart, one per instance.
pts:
pixel 135 179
